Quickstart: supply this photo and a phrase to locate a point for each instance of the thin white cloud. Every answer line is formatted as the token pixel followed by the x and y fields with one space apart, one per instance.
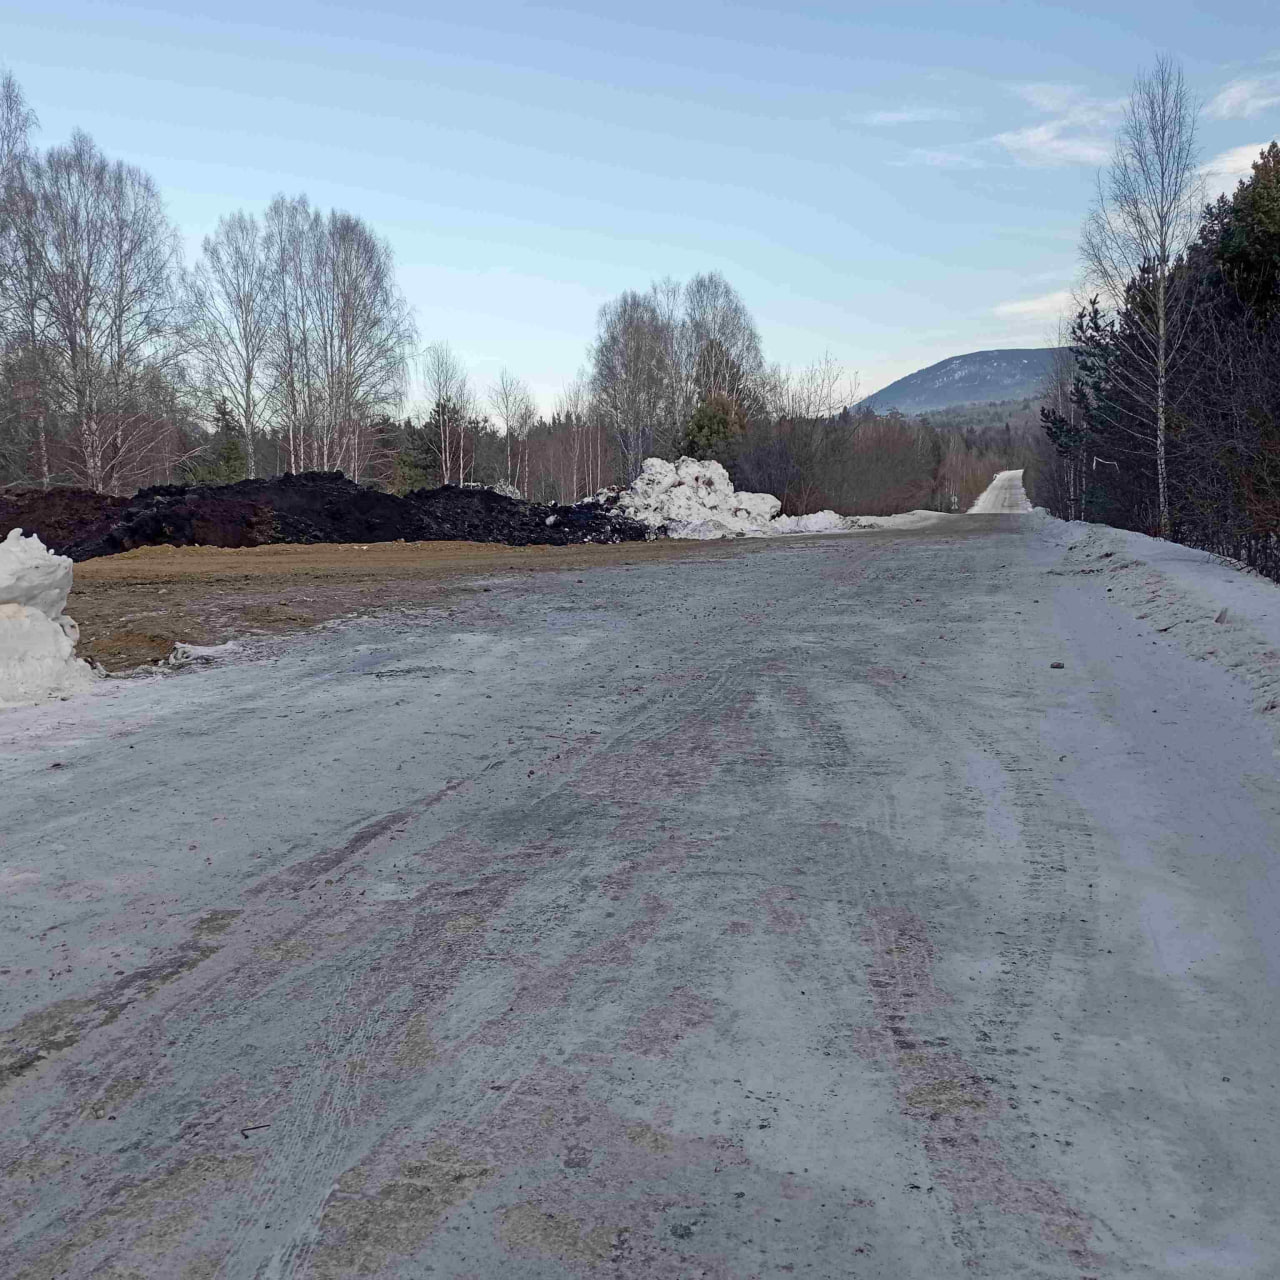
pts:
pixel 1047 146
pixel 1244 99
pixel 908 115
pixel 1049 306
pixel 1226 169
pixel 1078 130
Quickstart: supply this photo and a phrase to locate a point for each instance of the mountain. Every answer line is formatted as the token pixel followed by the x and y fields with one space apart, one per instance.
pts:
pixel 1015 373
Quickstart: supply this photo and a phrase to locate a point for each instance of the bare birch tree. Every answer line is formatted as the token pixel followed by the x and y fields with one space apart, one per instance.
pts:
pixel 631 374
pixel 574 409
pixel 229 315
pixel 17 122
pixel 819 390
pixel 723 343
pixel 513 410
pixel 364 330
pixel 339 336
pixel 26 427
pixel 1146 215
pixel 290 231
pixel 451 404
pixel 100 255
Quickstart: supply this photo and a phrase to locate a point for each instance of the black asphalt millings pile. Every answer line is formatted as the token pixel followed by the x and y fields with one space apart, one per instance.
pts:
pixel 314 507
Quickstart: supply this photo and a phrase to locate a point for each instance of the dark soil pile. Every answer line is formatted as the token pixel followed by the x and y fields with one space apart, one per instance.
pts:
pixel 481 515
pixel 59 517
pixel 317 506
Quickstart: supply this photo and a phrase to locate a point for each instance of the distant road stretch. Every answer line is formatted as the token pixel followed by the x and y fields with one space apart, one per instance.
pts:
pixel 1004 495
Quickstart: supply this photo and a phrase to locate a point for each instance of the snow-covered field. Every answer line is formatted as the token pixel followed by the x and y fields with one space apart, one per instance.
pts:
pixel 901 905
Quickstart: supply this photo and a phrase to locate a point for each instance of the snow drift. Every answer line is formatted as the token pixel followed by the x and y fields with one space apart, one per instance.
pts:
pixel 692 499
pixel 37 639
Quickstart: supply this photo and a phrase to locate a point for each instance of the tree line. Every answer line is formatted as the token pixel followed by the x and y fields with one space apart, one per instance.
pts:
pixel 1166 417
pixel 287 346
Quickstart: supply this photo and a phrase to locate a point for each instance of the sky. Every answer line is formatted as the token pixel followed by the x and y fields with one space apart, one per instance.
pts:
pixel 890 183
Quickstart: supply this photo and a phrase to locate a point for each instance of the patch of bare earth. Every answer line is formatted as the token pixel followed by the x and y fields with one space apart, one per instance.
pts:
pixel 134 607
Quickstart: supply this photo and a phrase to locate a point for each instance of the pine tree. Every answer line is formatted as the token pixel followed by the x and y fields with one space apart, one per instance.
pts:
pixel 714 425
pixel 225 459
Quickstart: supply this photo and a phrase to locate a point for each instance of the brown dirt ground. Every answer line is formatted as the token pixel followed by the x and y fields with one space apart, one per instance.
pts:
pixel 132 608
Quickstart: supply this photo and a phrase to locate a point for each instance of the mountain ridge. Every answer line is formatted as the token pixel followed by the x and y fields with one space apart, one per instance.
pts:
pixel 977 377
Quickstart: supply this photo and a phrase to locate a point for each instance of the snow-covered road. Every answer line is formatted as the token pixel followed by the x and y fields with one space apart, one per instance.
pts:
pixel 783 913
pixel 1003 496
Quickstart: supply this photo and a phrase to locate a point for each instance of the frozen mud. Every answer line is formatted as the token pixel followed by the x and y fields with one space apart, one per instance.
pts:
pixel 37 639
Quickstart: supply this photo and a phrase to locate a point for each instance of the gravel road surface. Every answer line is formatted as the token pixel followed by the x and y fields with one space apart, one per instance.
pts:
pixel 781 913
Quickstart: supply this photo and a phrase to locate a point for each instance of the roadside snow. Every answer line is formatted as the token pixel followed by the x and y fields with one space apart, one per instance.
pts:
pixel 817 522
pixel 904 520
pixel 692 499
pixel 1218 610
pixel 37 639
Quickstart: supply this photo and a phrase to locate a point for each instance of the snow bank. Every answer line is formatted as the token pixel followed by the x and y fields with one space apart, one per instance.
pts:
pixel 37 639
pixel 817 522
pixel 904 520
pixel 692 499
pixel 1215 609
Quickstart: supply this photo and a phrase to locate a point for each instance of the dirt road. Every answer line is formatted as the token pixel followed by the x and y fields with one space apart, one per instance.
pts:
pixel 1003 496
pixel 773 912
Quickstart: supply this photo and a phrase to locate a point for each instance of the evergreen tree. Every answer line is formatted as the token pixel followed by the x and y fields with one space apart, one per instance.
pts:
pixel 225 459
pixel 417 464
pixel 715 424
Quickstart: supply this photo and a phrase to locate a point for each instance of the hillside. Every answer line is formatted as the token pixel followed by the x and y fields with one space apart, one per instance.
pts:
pixel 981 376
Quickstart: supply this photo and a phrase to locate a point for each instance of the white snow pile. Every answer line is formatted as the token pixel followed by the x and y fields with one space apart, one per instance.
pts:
pixel 37 639
pixel 692 499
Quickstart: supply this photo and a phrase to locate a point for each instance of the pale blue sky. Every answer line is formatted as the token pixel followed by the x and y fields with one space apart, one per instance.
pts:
pixel 893 182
